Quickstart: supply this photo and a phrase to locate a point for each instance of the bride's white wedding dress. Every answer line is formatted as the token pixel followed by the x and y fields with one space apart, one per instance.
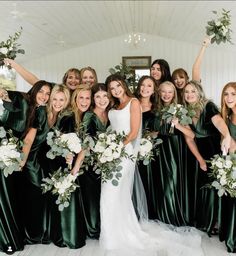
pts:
pixel 121 232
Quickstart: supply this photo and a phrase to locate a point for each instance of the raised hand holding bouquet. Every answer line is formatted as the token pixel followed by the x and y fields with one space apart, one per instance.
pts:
pixel 173 111
pixel 148 147
pixel 219 29
pixel 106 155
pixel 10 152
pixel 223 171
pixel 9 49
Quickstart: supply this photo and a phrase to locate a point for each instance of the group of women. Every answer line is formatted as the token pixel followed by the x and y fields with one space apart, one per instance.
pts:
pixel 173 182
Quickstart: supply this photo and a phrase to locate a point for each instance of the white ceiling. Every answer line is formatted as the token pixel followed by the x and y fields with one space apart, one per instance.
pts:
pixel 52 26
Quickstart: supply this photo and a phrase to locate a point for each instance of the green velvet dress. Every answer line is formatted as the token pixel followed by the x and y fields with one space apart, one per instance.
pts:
pixel 11 229
pixel 148 172
pixel 227 212
pixel 90 182
pixel 35 210
pixel 208 143
pixel 67 227
pixel 169 167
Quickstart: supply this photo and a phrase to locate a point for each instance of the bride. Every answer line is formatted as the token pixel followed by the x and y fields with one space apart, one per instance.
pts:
pixel 121 232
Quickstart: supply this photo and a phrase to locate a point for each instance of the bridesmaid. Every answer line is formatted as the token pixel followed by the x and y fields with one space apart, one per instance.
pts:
pixel 171 190
pixel 160 71
pixel 209 127
pixel 68 226
pixel 180 76
pixel 227 210
pixel 94 121
pixel 40 119
pixel 147 94
pixel 88 76
pixel 11 235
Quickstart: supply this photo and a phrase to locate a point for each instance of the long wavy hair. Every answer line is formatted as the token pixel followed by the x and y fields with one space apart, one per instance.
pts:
pixel 225 111
pixel 154 96
pixel 160 104
pixel 32 102
pixel 56 89
pixel 165 70
pixel 202 100
pixel 120 80
pixel 77 113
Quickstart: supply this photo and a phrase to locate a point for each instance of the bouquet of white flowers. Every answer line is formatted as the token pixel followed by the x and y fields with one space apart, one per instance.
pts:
pixel 63 144
pixel 10 153
pixel 1 107
pixel 106 155
pixel 9 48
pixel 219 29
pixel 148 147
pixel 177 110
pixel 62 184
pixel 223 170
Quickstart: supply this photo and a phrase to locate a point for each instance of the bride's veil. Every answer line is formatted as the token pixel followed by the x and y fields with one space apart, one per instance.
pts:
pixel 138 192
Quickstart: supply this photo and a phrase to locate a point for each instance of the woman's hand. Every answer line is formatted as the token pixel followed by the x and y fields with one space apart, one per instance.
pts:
pixel 206 41
pixel 4 95
pixel 175 121
pixel 69 159
pixel 202 164
pixel 225 144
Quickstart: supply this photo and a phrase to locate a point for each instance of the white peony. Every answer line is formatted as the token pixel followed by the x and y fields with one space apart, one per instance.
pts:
pixel 73 142
pixel 228 164
pixel 99 147
pixel 7 153
pixel 4 50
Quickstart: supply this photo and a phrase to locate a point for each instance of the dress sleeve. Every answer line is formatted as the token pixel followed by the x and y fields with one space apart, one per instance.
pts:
pixel 40 118
pixel 211 110
pixel 90 124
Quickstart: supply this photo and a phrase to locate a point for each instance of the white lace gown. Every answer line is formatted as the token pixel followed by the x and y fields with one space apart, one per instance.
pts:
pixel 121 232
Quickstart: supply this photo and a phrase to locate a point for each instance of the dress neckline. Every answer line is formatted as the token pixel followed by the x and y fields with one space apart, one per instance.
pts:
pixel 125 105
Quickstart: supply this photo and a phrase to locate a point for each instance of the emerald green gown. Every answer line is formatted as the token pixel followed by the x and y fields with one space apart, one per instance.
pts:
pixel 67 227
pixel 90 182
pixel 11 229
pixel 208 142
pixel 169 167
pixel 148 172
pixel 227 212
pixel 35 210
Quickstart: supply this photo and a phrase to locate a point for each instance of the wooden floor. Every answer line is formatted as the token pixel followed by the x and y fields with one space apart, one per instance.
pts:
pixel 211 246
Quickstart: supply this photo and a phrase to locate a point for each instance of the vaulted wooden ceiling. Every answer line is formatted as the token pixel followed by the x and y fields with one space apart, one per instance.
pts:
pixel 52 26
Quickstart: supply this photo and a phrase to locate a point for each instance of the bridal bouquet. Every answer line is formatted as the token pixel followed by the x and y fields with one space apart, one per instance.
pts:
pixel 63 144
pixel 10 153
pixel 223 171
pixel 179 111
pixel 9 49
pixel 219 29
pixel 148 147
pixel 106 155
pixel 62 184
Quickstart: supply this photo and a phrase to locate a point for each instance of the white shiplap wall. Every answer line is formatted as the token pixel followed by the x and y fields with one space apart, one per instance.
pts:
pixel 218 66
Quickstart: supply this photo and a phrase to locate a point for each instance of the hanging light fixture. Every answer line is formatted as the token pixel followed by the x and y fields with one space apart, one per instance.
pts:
pixel 135 39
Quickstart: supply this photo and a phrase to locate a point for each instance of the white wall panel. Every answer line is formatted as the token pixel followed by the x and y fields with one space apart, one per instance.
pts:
pixel 218 66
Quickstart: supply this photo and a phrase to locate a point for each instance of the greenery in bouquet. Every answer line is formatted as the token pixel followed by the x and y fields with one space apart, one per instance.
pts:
pixel 219 29
pixel 184 114
pixel 9 48
pixel 127 73
pixel 106 155
pixel 148 147
pixel 63 144
pixel 62 184
pixel 223 173
pixel 10 152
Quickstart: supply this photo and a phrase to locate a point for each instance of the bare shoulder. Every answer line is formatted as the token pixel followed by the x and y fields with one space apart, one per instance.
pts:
pixel 135 102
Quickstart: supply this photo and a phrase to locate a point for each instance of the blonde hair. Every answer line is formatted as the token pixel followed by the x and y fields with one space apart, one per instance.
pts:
pixel 56 89
pixel 74 107
pixel 225 111
pixel 91 70
pixel 160 104
pixel 202 100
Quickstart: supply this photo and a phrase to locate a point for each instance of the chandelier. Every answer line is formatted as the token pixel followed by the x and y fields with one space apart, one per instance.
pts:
pixel 135 39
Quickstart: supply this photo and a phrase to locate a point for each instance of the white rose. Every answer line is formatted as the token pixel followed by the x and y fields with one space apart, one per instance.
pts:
pixel 228 164
pixel 73 142
pixel 99 147
pixel 4 50
pixel 223 180
pixel 107 152
pixel 219 164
